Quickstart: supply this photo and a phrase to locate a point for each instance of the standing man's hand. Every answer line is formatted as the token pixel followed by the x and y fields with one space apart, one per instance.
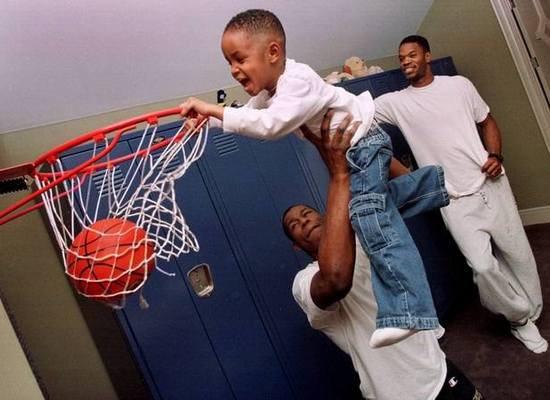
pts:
pixel 492 140
pixel 492 167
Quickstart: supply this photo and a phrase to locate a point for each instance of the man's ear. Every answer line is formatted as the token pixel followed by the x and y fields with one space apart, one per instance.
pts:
pixel 428 57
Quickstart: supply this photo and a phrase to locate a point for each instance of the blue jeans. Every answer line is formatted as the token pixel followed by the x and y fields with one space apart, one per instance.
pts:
pixel 399 280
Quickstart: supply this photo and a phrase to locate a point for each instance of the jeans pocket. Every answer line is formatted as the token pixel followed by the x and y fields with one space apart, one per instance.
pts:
pixel 371 222
pixel 350 156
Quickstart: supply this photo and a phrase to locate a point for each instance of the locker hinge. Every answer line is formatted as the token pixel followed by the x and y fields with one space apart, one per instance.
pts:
pixel 535 62
pixel 512 3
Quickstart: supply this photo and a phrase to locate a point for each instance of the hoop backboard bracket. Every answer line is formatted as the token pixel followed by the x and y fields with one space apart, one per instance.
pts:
pixel 16 178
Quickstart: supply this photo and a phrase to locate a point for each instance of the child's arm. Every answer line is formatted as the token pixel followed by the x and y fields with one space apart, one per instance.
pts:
pixel 294 104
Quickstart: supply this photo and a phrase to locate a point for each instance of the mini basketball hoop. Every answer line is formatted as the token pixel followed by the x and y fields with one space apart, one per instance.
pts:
pixel 136 187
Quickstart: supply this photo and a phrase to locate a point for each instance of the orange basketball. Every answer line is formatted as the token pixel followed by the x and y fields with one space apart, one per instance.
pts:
pixel 109 259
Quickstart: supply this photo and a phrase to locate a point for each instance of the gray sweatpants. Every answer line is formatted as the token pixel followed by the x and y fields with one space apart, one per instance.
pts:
pixel 488 230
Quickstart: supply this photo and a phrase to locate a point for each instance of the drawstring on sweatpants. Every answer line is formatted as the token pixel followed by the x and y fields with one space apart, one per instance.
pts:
pixel 484 198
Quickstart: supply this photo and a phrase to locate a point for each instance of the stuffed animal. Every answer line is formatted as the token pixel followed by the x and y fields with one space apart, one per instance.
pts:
pixel 337 77
pixel 354 67
pixel 357 68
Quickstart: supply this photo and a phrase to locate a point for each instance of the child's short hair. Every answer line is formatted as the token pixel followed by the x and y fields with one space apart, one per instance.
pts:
pixel 257 21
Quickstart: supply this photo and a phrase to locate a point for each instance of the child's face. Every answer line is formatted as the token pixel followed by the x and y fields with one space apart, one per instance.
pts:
pixel 251 61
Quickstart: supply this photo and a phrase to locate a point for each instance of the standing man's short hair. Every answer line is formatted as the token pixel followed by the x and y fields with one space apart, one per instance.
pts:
pixel 256 21
pixel 420 40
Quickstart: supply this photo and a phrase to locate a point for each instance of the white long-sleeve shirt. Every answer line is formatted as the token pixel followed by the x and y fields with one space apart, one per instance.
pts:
pixel 301 97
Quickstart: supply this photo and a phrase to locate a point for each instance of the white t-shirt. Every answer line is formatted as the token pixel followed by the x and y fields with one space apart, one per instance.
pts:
pixel 301 97
pixel 413 369
pixel 439 123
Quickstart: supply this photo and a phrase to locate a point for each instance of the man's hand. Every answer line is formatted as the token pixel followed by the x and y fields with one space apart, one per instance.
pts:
pixel 333 147
pixel 492 140
pixel 492 167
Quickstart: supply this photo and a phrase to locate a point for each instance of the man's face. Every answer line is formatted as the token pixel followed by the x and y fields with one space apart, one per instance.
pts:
pixel 249 60
pixel 304 226
pixel 413 61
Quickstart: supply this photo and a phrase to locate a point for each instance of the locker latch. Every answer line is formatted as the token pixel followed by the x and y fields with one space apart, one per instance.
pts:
pixel 200 278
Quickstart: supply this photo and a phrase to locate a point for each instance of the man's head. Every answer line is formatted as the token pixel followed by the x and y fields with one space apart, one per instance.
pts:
pixel 414 60
pixel 303 226
pixel 253 43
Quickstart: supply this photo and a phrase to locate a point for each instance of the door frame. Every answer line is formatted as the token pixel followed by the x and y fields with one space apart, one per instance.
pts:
pixel 522 60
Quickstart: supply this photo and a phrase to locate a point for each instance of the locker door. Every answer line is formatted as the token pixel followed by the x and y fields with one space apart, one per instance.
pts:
pixel 200 349
pixel 239 353
pixel 214 348
pixel 444 66
pixel 358 85
pixel 384 82
pixel 255 182
pixel 168 340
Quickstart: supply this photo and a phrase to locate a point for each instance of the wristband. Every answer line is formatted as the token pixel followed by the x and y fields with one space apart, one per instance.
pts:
pixel 498 156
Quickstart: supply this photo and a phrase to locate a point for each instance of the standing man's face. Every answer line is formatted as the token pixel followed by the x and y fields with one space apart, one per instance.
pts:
pixel 414 61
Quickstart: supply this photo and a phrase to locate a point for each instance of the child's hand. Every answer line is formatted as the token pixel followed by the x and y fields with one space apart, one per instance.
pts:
pixel 192 107
pixel 196 110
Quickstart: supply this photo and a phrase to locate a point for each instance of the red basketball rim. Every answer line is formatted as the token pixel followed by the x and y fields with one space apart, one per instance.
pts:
pixel 89 166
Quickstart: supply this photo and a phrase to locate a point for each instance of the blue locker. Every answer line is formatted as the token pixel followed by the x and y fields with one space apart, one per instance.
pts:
pixel 255 183
pixel 249 340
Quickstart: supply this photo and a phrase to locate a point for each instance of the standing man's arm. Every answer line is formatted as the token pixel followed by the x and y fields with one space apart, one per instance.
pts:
pixel 383 114
pixel 490 134
pixel 336 255
pixel 397 169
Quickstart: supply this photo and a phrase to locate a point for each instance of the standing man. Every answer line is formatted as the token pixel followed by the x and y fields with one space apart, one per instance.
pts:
pixel 439 116
pixel 335 292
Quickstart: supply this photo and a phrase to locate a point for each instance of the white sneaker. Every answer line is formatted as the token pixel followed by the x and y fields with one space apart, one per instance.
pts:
pixel 387 336
pixel 529 335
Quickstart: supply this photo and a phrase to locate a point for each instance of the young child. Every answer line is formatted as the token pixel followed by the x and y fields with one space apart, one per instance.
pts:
pixel 285 96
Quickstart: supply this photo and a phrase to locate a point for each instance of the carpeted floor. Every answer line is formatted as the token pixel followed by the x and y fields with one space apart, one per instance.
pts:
pixel 480 343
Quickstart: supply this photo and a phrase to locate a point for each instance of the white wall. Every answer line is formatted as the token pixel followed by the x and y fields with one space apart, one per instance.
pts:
pixel 67 59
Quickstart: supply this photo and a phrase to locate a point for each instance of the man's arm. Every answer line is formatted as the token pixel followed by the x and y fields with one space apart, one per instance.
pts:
pixel 490 134
pixel 397 169
pixel 336 255
pixel 383 114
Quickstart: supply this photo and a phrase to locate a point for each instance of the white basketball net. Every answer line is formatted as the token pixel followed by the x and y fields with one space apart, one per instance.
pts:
pixel 142 190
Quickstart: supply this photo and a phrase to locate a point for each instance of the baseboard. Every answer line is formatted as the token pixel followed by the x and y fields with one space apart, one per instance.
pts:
pixel 536 215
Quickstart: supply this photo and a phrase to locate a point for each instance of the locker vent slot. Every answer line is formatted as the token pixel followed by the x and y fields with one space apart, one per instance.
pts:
pixel 225 143
pixel 172 165
pixel 97 179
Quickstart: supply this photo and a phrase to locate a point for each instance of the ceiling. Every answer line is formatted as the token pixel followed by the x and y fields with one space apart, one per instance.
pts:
pixel 67 59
